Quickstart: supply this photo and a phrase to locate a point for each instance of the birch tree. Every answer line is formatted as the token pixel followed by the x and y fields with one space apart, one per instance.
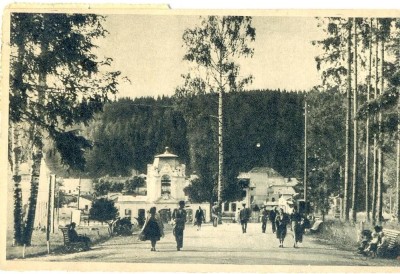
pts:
pixel 214 48
pixel 56 81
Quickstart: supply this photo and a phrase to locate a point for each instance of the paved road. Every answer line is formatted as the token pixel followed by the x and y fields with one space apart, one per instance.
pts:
pixel 222 245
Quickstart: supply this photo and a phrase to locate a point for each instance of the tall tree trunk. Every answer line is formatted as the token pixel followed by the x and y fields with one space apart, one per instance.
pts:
pixel 30 221
pixel 398 161
pixel 367 183
pixel 37 153
pixel 355 133
pixel 16 151
pixel 380 153
pixel 375 148
pixel 220 145
pixel 348 127
pixel 16 154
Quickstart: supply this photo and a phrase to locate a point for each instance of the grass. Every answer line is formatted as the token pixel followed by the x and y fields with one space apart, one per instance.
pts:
pixel 345 235
pixel 38 246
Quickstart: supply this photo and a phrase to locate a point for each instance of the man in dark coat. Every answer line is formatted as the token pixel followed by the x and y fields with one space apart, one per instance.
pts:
pixel 272 216
pixel 179 217
pixel 244 216
pixel 264 218
pixel 297 226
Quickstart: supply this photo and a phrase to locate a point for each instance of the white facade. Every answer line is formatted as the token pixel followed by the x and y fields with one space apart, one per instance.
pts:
pixel 166 179
pixel 267 185
pixel 72 185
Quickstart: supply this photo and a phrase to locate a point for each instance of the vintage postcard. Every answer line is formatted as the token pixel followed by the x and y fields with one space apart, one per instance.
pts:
pixel 142 138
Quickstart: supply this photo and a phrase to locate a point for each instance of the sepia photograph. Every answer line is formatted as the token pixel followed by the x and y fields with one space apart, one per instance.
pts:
pixel 143 138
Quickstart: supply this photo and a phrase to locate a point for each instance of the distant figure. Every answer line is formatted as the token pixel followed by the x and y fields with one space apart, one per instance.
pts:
pixel 179 218
pixel 244 216
pixel 264 219
pixel 297 226
pixel 214 214
pixel 74 237
pixel 281 222
pixel 199 217
pixel 153 228
pixel 272 216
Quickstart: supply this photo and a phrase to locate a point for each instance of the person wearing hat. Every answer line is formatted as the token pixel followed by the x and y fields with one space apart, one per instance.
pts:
pixel 179 218
pixel 153 228
pixel 74 237
pixel 264 219
pixel 244 216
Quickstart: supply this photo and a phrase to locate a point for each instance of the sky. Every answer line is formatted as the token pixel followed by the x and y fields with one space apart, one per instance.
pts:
pixel 148 49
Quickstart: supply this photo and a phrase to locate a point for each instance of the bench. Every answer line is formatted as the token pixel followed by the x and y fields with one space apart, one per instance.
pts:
pixel 316 227
pixel 389 246
pixel 71 246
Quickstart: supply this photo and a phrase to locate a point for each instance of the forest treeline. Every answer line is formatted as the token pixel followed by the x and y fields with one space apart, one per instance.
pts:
pixel 130 132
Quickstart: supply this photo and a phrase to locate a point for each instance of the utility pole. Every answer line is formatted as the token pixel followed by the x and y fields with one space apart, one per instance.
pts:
pixel 58 203
pixel 53 201
pixel 305 148
pixel 79 192
pixel 49 217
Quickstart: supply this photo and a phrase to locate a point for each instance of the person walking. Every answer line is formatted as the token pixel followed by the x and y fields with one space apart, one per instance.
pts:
pixel 272 216
pixel 264 218
pixel 244 216
pixel 297 226
pixel 199 217
pixel 281 222
pixel 153 228
pixel 214 214
pixel 179 218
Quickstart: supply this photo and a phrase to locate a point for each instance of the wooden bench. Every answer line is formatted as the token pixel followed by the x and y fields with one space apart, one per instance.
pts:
pixel 316 227
pixel 389 246
pixel 71 246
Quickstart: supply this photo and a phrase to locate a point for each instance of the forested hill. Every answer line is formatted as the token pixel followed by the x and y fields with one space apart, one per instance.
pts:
pixel 131 131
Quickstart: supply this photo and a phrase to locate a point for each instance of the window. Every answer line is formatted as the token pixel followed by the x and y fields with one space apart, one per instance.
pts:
pixel 165 185
pixel 86 207
pixel 233 207
pixel 226 206
pixel 128 212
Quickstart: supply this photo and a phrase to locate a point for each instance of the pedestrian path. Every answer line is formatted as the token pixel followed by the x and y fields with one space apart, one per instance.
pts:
pixel 225 244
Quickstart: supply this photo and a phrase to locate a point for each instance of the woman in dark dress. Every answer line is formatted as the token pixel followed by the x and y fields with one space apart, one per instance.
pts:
pixel 153 228
pixel 281 221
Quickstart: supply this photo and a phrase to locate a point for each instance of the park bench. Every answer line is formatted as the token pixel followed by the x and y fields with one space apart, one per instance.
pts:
pixel 390 246
pixel 71 246
pixel 316 227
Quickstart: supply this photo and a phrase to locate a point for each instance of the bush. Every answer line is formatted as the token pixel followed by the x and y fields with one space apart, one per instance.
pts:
pixel 123 227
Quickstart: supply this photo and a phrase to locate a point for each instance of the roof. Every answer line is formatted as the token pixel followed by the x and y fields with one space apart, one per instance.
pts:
pixel 87 197
pixel 166 154
pixel 269 171
pixel 131 198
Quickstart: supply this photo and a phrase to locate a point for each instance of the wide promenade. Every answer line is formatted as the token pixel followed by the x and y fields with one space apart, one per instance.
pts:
pixel 225 244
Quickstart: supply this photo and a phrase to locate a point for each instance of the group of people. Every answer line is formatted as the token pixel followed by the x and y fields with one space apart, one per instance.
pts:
pixel 279 222
pixel 153 228
pixel 370 241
